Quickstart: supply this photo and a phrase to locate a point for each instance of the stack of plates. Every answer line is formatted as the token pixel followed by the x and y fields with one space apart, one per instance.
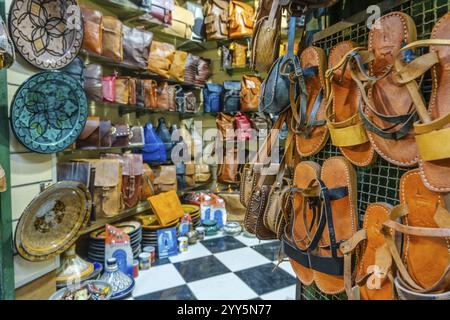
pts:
pixel 194 211
pixel 150 233
pixel 96 250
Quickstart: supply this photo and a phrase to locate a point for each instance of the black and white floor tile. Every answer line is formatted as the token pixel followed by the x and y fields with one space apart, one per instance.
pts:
pixel 220 268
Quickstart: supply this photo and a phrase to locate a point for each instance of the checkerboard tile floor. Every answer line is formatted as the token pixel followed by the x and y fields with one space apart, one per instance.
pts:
pixel 219 268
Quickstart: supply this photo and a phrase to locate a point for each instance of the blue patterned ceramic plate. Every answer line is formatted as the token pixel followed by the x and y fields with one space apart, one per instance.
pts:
pixel 48 34
pixel 49 112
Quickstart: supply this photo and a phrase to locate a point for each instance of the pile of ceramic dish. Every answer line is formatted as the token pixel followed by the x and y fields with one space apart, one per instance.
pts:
pixel 194 212
pixel 150 232
pixel 96 250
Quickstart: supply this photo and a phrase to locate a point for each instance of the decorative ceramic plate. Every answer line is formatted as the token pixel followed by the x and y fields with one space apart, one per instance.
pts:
pixel 191 209
pixel 52 222
pixel 48 34
pixel 157 226
pixel 130 227
pixel 49 112
pixel 100 284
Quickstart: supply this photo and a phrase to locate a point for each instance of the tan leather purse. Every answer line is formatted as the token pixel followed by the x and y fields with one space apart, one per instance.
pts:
pixel 161 58
pixel 177 68
pixel 266 35
pixel 190 174
pixel 240 17
pixel 228 171
pixel 165 96
pixel 125 90
pixel 216 19
pixel 2 180
pixel 93 30
pixel 239 54
pixel 112 38
pixel 108 187
pixel 250 89
pixel 225 124
pixel 182 23
pixel 148 177
pixel 165 179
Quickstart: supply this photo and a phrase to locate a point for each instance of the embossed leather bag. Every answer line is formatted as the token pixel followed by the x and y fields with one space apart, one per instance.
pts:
pixel 109 88
pixel 112 38
pixel 177 68
pixel 239 55
pixel 203 72
pixel 120 135
pixel 93 83
pixel 147 182
pixel 93 30
pixel 225 124
pixel 190 102
pixel 216 19
pixel 240 17
pixel 146 93
pixel 125 90
pixel 212 97
pixel 231 99
pixel 250 90
pixel 165 179
pixel 163 96
pixel 182 23
pixel 161 58
pixel 266 35
pixel 137 136
pixel 228 171
pixel 190 68
pixel 136 47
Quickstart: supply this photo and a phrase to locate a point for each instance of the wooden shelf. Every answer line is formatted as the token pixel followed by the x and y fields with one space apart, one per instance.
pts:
pixel 140 208
pixel 105 150
pixel 123 9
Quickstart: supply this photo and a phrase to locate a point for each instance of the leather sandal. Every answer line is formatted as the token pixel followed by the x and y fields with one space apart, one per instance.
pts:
pixel 305 214
pixel 432 131
pixel 374 275
pixel 424 264
pixel 388 112
pixel 342 111
pixel 311 131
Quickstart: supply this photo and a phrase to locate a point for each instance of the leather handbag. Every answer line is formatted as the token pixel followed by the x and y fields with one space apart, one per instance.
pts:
pixel 203 72
pixel 190 68
pixel 112 38
pixel 239 55
pixel 198 30
pixel 164 134
pixel 146 93
pixel 137 136
pixel 147 182
pixel 125 90
pixel 120 136
pixel 228 171
pixel 250 90
pixel 216 19
pixel 108 187
pixel 225 124
pixel 182 23
pixel 240 17
pixel 231 99
pixel 275 97
pixel 136 47
pixel 212 97
pixel 90 136
pixel 161 10
pixel 190 174
pixel 93 30
pixel 163 96
pixel 190 102
pixel 165 179
pixel 179 98
pixel 166 207
pixel 161 58
pixel 266 35
pixel 93 81
pixel 153 150
pixel 243 127
pixel 177 67
pixel 109 88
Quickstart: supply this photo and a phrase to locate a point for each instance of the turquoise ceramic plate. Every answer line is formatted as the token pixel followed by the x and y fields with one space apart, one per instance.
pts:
pixel 49 112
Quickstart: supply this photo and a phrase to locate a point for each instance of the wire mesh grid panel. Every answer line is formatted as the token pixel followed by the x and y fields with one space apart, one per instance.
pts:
pixel 379 182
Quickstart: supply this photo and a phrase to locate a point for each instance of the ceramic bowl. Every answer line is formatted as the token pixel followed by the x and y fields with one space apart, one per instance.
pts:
pixel 101 284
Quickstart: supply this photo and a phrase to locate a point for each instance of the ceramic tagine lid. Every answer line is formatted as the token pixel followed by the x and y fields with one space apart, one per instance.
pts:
pixel 73 269
pixel 122 285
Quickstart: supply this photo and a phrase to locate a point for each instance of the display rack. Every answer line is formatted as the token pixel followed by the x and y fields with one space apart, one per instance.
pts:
pixel 379 182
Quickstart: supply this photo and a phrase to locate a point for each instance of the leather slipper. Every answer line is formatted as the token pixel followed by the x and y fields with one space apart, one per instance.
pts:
pixel 344 123
pixel 339 180
pixel 311 131
pixel 303 216
pixel 434 158
pixel 389 112
pixel 373 271
pixel 424 265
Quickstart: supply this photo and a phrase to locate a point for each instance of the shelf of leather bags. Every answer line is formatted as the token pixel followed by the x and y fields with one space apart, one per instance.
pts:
pixel 142 207
pixel 132 70
pixel 123 9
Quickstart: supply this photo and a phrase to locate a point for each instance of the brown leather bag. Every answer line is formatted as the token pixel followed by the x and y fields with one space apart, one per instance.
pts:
pixel 239 54
pixel 112 38
pixel 225 124
pixel 216 19
pixel 165 179
pixel 96 134
pixel 147 182
pixel 240 17
pixel 125 90
pixel 136 46
pixel 93 81
pixel 250 89
pixel 163 93
pixel 177 68
pixel 120 136
pixel 93 30
pixel 146 93
pixel 190 174
pixel 172 97
pixel 161 58
pixel 228 171
pixel 266 35
pixel 190 68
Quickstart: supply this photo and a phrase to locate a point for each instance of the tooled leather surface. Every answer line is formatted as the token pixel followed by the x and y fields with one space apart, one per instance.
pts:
pixel 386 95
pixel 160 58
pixel 436 174
pixel 346 98
pixel 241 17
pixel 250 95
pixel 112 38
pixel 92 38
pixel 218 29
pixel 177 67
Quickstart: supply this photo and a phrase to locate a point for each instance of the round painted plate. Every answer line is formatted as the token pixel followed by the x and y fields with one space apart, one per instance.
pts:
pixel 52 222
pixel 49 112
pixel 130 227
pixel 48 34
